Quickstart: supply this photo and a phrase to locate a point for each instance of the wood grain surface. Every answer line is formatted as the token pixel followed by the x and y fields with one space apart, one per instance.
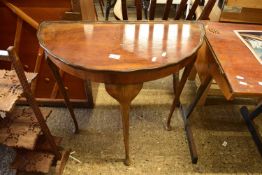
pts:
pixel 242 70
pixel 120 47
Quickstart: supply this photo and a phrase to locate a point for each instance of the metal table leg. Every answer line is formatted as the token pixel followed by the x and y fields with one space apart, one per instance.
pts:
pixel 249 117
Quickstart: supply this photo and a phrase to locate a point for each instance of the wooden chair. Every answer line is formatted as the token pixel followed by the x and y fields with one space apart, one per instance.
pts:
pixel 109 5
pixel 120 10
pixel 25 129
pixel 24 18
pixel 101 3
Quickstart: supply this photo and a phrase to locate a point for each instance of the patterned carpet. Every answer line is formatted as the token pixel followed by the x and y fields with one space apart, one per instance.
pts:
pixel 223 142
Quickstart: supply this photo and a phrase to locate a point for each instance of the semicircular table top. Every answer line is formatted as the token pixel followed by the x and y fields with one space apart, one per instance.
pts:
pixel 120 47
pixel 121 55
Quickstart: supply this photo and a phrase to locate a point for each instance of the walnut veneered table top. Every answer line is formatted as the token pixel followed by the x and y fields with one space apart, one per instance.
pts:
pixel 121 55
pixel 242 70
pixel 120 47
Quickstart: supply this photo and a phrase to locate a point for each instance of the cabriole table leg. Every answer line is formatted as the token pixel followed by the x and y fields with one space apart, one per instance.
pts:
pixel 124 94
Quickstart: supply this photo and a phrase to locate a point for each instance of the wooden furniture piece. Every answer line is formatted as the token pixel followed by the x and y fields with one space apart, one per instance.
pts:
pixel 230 63
pixel 109 5
pixel 19 23
pixel 242 11
pixel 123 15
pixel 203 16
pixel 25 129
pixel 234 11
pixel 179 15
pixel 123 59
pixel 145 6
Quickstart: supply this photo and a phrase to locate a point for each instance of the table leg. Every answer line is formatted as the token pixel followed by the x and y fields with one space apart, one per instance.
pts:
pixel 249 117
pixel 89 94
pixel 61 86
pixel 175 82
pixel 124 94
pixel 186 114
pixel 178 87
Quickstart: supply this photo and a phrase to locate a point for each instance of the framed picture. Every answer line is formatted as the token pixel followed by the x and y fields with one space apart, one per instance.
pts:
pixel 253 40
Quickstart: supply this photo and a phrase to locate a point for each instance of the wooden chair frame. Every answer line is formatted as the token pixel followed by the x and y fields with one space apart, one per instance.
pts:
pixel 24 18
pixel 182 7
pixel 21 18
pixel 11 56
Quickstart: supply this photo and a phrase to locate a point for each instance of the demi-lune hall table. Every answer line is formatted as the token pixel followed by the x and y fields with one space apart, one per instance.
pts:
pixel 121 55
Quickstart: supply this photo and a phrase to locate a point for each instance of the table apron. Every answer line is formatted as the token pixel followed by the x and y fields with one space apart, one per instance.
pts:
pixel 110 77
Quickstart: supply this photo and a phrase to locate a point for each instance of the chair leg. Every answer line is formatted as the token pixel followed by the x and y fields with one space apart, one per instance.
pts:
pixel 145 6
pixel 101 4
pixel 178 89
pixel 175 82
pixel 89 94
pixel 108 7
pixel 192 75
pixel 61 86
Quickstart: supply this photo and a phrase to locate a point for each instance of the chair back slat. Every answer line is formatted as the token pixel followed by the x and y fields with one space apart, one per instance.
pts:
pixel 181 9
pixel 152 7
pixel 141 5
pixel 138 9
pixel 167 9
pixel 193 10
pixel 124 10
pixel 207 10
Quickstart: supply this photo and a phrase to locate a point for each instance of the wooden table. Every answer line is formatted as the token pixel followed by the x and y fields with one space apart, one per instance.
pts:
pixel 121 55
pixel 234 68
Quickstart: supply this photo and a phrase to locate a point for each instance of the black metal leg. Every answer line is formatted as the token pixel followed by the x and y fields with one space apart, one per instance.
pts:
pixel 256 112
pixel 61 86
pixel 250 124
pixel 186 114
